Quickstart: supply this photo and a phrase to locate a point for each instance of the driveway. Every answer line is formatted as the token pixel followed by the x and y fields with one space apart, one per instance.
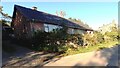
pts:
pixel 24 57
pixel 105 57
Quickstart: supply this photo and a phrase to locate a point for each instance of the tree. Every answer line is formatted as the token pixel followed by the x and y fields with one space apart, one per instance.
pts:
pixel 113 34
pixel 61 13
pixel 5 18
pixel 4 15
pixel 57 13
pixel 78 21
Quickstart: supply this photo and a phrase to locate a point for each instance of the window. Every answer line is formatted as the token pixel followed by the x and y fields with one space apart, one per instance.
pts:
pixel 78 31
pixel 71 31
pixel 50 27
pixel 46 28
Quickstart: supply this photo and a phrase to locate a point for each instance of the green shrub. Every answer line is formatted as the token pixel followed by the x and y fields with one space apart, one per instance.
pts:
pixel 113 36
pixel 54 41
pixel 100 48
pixel 93 39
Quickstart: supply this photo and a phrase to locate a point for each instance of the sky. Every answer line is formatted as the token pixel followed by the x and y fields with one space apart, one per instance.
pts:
pixel 95 14
pixel 59 0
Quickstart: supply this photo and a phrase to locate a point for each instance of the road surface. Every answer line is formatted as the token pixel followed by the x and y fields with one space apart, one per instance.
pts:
pixel 105 57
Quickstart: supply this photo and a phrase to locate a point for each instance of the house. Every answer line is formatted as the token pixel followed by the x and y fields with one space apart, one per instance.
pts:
pixel 26 21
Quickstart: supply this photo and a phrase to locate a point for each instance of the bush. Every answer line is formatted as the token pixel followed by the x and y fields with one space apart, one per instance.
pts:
pixel 112 36
pixel 55 41
pixel 93 39
pixel 100 48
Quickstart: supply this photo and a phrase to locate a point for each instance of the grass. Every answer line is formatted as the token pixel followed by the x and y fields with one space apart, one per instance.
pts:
pixel 90 48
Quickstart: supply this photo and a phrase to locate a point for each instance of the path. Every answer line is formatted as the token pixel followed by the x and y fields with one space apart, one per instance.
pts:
pixel 24 57
pixel 105 57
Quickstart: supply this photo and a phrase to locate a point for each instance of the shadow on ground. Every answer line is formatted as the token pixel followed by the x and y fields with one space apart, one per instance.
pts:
pixel 108 56
pixel 22 56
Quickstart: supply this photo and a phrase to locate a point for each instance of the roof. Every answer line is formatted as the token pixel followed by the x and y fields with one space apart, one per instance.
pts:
pixel 34 15
pixel 83 25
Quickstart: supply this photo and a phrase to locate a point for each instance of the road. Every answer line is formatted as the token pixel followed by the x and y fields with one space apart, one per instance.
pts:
pixel 105 57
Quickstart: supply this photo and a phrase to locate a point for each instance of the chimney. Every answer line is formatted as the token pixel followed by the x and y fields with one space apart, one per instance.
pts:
pixel 34 8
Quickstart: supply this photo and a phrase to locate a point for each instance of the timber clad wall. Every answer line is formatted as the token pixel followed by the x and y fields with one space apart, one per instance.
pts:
pixel 24 28
pixel 37 26
pixel 17 24
pixel 21 26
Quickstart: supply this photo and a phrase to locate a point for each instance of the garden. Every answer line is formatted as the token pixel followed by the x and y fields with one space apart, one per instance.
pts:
pixel 59 41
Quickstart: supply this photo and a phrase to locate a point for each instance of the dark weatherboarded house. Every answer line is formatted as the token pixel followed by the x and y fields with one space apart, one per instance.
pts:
pixel 26 21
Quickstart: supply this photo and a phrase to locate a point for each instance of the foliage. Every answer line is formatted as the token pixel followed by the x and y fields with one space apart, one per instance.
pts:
pixel 61 13
pixel 118 33
pixel 55 41
pixel 110 31
pixel 78 21
pixel 75 20
pixel 90 48
pixel 58 41
pixel 113 34
pixel 5 16
pixel 100 37
pixel 93 39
